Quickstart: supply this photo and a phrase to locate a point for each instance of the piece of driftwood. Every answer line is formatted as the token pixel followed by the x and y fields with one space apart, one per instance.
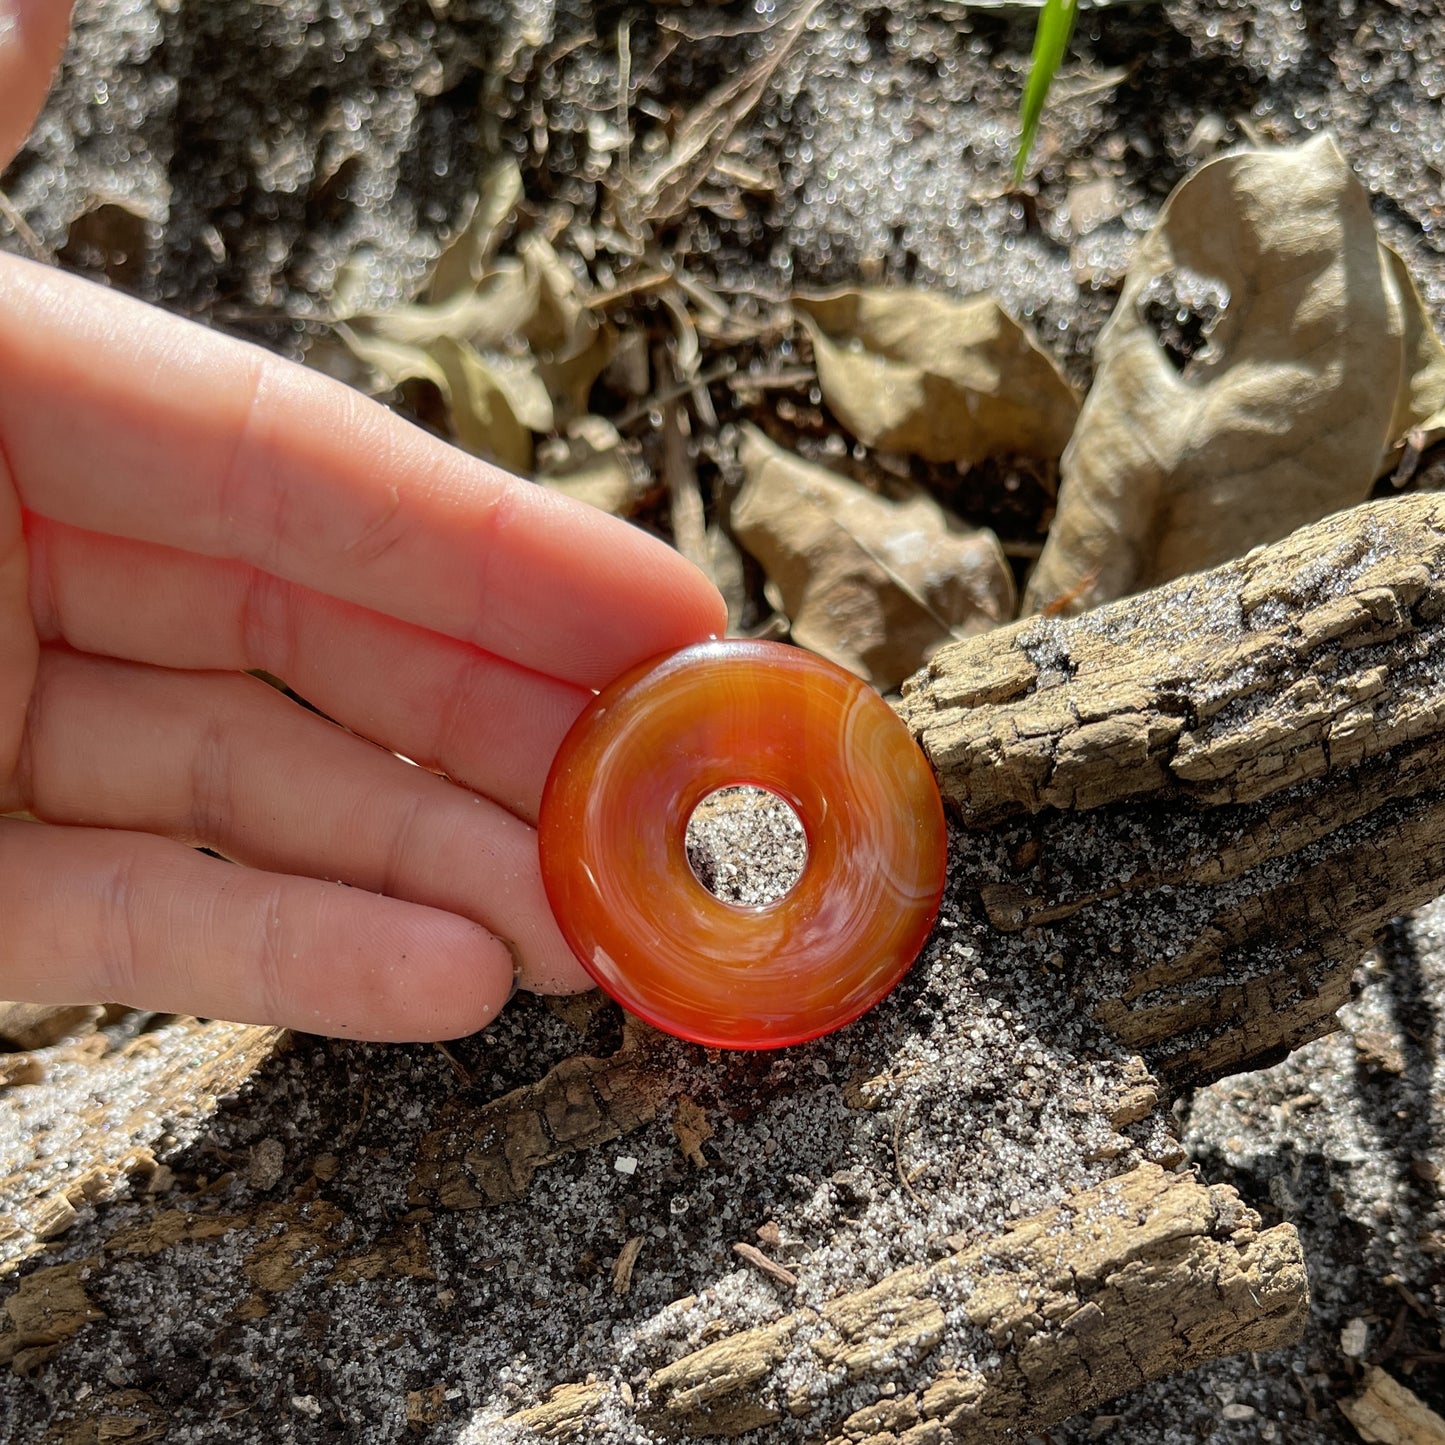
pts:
pixel 1386 1412
pixel 112 1132
pixel 1262 750
pixel 1195 808
pixel 486 1151
pixel 1063 1296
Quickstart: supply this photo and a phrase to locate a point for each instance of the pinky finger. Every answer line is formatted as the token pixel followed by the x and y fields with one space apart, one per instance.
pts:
pixel 97 914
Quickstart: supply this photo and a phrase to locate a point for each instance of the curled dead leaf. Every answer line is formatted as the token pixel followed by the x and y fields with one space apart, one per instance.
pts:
pixel 509 341
pixel 373 357
pixel 592 465
pixel 496 403
pixel 1187 454
pixel 570 345
pixel 1420 404
pixel 950 381
pixel 870 584
pixel 462 265
pixel 492 316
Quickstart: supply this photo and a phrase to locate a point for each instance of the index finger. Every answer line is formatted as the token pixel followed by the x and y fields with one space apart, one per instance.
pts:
pixel 120 419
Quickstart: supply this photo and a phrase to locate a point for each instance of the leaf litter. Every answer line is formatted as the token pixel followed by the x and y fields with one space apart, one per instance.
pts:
pixel 1313 361
pixel 1268 361
pixel 872 584
pixel 949 381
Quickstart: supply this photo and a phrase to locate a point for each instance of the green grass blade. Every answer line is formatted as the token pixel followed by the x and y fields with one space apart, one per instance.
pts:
pixel 1051 40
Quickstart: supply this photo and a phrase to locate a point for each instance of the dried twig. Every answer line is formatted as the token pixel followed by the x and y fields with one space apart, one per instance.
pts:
pixel 666 191
pixel 769 1267
pixel 903 1179
pixel 10 213
pixel 622 1270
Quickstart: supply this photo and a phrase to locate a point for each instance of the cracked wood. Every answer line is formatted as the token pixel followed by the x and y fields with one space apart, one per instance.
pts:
pixel 1136 1278
pixel 486 1151
pixel 1262 750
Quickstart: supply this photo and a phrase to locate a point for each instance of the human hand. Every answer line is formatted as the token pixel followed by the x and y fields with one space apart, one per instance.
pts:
pixel 176 508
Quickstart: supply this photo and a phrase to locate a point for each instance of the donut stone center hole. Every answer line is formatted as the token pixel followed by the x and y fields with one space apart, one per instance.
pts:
pixel 746 846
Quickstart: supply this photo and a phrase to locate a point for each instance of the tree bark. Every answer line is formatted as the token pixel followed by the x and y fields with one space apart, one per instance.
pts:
pixel 1137 1278
pixel 1263 748
pixel 113 1132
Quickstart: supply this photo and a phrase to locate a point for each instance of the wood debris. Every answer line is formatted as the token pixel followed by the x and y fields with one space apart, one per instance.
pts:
pixel 1387 1413
pixel 691 1127
pixel 626 1260
pixel 769 1267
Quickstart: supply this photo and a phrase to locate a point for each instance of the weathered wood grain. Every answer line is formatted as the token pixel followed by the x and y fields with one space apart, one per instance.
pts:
pixel 1126 1282
pixel 1262 748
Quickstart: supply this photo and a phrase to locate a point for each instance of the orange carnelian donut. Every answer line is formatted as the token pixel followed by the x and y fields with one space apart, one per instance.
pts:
pixel 614 816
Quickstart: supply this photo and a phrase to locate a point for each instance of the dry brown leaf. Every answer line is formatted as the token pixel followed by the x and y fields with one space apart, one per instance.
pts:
pixel 509 342
pixel 571 346
pixel 1434 426
pixel 951 381
pixel 494 316
pixel 725 567
pixel 393 361
pixel 1420 405
pixel 873 585
pixel 692 1129
pixel 591 465
pixel 460 267
pixel 560 323
pixel 495 403
pixel 569 376
pixel 1286 415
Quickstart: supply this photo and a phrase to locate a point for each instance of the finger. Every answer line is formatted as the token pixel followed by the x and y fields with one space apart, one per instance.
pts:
pixel 19 648
pixel 120 419
pixel 487 723
pixel 224 761
pixel 123 917
pixel 32 41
